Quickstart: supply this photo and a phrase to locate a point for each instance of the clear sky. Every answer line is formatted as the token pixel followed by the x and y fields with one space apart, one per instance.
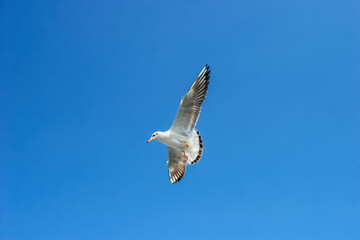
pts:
pixel 83 85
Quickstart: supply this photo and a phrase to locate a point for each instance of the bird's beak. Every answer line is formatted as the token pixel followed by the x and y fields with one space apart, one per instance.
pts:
pixel 150 140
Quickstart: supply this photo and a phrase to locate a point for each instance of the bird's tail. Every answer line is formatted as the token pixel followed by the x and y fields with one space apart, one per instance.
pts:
pixel 196 152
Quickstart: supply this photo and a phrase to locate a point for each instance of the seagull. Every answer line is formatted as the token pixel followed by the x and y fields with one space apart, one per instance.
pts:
pixel 183 140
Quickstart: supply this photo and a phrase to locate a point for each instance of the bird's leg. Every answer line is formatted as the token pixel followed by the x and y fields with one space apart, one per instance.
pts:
pixel 186 144
pixel 185 155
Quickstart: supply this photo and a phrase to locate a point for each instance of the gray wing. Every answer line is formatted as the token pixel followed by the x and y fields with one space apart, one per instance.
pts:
pixel 176 164
pixel 190 105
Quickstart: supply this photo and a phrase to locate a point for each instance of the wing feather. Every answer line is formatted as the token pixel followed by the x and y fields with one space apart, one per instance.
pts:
pixel 190 106
pixel 176 164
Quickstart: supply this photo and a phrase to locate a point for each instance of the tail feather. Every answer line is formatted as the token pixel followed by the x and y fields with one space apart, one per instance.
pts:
pixel 200 152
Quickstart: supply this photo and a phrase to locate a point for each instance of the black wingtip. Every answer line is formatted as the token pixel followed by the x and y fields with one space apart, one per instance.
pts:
pixel 207 73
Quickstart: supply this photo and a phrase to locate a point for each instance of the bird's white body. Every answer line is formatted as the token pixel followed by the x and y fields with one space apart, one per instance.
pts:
pixel 189 144
pixel 172 139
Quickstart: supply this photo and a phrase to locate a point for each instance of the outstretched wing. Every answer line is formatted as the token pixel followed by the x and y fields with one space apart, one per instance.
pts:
pixel 190 105
pixel 176 164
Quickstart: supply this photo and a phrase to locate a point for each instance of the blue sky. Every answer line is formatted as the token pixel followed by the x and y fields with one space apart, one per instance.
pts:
pixel 85 83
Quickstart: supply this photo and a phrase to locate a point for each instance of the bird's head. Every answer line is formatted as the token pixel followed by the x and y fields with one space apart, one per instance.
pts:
pixel 154 136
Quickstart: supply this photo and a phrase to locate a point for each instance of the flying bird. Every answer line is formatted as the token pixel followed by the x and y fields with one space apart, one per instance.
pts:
pixel 183 140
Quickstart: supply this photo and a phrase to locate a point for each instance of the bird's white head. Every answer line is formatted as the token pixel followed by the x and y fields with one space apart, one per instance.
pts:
pixel 154 136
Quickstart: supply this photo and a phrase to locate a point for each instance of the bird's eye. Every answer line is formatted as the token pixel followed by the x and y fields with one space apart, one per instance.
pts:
pixel 153 135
